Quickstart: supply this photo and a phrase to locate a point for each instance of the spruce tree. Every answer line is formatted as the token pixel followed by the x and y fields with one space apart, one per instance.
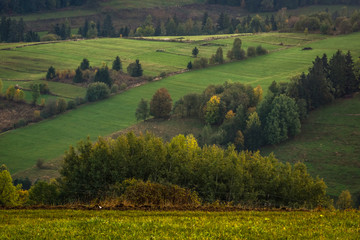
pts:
pixel 85 64
pixel 351 82
pixel 78 78
pixel 142 111
pixel 117 64
pixel 195 51
pixel 50 73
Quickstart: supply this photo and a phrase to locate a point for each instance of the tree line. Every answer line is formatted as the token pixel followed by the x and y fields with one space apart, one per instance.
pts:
pixel 273 5
pixel 16 31
pixel 29 6
pixel 234 113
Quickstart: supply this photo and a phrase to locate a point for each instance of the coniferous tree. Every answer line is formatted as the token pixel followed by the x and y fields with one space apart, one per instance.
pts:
pixel 135 69
pixel 351 82
pixel 85 64
pixel 50 73
pixel 189 65
pixel 337 74
pixel 195 51
pixel 78 78
pixel 103 75
pixel 142 111
pixel 117 64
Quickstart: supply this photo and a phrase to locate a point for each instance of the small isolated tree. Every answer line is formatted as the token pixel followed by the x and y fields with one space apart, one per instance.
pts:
pixel 35 92
pixel 251 51
pixel 218 57
pixel 117 64
pixel 260 50
pixel 161 104
pixel 195 51
pixel 236 53
pixel 142 111
pixel 135 69
pixel 344 201
pixel 85 64
pixel 200 63
pixel 78 76
pixel 10 92
pixel 19 95
pixel 189 66
pixel 97 91
pixel 50 73
pixel 103 75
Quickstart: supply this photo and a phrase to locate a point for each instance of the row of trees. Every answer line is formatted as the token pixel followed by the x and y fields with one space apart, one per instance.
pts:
pixel 91 170
pixel 28 6
pixel 16 31
pixel 234 113
pixel 273 5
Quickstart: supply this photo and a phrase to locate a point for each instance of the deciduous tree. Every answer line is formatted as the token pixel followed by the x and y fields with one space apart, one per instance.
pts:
pixel 161 104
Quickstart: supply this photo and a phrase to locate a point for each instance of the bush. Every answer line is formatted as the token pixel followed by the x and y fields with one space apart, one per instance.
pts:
pixel 71 104
pixel 44 193
pixel 10 93
pixel 49 37
pixel 138 192
pixel 251 52
pixel 200 63
pixel 44 88
pixel 97 91
pixel 123 86
pixel 50 109
pixel 20 123
pixel 135 69
pixel 260 50
pixel 114 88
pixel 61 105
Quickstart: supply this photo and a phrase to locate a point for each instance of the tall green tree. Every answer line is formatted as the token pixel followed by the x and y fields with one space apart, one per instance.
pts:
pixel 117 64
pixel 50 73
pixel 236 53
pixel 78 78
pixel 85 64
pixel 35 93
pixel 103 75
pixel 9 194
pixel 253 134
pixel 195 51
pixel 135 69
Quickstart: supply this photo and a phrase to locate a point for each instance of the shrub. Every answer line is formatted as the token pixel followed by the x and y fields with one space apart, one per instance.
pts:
pixel 44 88
pixel 200 63
pixel 71 104
pixel 44 193
pixel 114 88
pixel 49 37
pixel 50 109
pixel 10 92
pixel 135 69
pixel 61 105
pixel 260 50
pixel 251 52
pixel 40 164
pixel 37 115
pixel 20 123
pixel 140 193
pixel 97 91
pixel 123 86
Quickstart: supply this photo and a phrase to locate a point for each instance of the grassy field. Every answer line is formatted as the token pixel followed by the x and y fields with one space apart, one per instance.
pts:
pixel 49 139
pixel 329 145
pixel 70 224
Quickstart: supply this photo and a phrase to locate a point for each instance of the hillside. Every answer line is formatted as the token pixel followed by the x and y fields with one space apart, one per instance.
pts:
pixel 50 138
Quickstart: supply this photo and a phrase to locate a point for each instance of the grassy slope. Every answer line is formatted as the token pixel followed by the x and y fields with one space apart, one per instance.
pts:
pixel 48 140
pixel 329 144
pixel 59 224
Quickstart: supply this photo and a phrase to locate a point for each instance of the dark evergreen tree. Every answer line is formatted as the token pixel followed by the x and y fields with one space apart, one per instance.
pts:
pixel 351 82
pixel 142 111
pixel 103 75
pixel 195 51
pixel 85 64
pixel 189 65
pixel 78 78
pixel 50 73
pixel 337 66
pixel 32 37
pixel 117 65
pixel 135 69
pixel 108 28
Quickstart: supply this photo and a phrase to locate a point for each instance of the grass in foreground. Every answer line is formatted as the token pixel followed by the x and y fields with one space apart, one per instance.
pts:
pixel 69 224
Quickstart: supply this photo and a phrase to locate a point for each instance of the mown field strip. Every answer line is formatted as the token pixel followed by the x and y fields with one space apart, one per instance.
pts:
pixel 70 224
pixel 21 148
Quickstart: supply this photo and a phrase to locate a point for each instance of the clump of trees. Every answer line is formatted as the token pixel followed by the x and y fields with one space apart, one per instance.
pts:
pixel 12 30
pixel 94 170
pixel 161 104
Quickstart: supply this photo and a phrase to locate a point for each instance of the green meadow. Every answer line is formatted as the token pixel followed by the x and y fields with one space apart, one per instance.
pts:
pixel 21 148
pixel 104 224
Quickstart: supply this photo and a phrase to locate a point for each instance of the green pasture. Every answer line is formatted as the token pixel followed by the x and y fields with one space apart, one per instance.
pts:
pixel 329 144
pixel 50 138
pixel 104 224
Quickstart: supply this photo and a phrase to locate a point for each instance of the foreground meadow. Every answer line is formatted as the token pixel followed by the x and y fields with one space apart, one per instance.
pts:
pixel 69 224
